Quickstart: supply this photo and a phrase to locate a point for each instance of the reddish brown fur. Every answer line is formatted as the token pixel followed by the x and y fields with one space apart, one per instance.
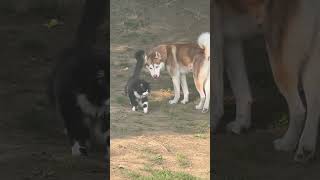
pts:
pixel 198 62
pixel 279 16
pixel 185 54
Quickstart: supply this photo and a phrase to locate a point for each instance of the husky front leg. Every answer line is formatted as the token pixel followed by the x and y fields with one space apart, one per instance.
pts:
pixel 184 88
pixel 311 86
pixel 176 86
pixel 240 85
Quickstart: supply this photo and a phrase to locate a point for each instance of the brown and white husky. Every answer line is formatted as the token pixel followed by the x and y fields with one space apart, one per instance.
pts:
pixel 180 59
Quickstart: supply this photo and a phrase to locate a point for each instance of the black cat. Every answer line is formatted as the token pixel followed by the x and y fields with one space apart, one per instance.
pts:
pixel 136 88
pixel 78 86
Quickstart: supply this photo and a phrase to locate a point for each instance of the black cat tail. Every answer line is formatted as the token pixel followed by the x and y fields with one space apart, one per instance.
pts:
pixel 140 62
pixel 93 16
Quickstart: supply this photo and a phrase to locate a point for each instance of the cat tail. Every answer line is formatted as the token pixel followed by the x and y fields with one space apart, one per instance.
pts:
pixel 140 62
pixel 94 13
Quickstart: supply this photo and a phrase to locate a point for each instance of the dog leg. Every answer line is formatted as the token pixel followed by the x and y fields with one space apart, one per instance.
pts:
pixel 286 78
pixel 199 85
pixel 240 85
pixel 184 88
pixel 176 86
pixel 308 139
pixel 207 91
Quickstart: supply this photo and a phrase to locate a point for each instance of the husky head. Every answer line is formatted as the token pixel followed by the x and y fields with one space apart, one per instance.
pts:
pixel 154 60
pixel 257 9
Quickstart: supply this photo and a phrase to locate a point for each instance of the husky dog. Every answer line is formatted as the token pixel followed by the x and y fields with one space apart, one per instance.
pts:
pixel 180 59
pixel 291 29
pixel 78 85
pixel 138 89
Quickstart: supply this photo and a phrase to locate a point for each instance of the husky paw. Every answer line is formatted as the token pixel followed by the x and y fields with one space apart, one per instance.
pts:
pixel 134 108
pixel 145 110
pixel 304 155
pixel 234 127
pixel 205 110
pixel 78 150
pixel 173 101
pixel 282 144
pixel 184 101
pixel 199 106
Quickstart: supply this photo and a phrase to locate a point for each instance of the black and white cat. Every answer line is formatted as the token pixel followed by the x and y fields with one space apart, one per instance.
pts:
pixel 78 86
pixel 136 88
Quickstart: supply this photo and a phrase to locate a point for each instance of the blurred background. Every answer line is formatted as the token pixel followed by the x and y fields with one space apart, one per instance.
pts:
pixel 32 142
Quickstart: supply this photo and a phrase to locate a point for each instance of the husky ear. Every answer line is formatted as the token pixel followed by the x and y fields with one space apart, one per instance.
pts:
pixel 145 58
pixel 158 55
pixel 161 51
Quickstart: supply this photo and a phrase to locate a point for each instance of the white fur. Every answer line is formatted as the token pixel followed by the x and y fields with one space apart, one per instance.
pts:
pixel 145 110
pixel 86 106
pixel 76 149
pixel 204 42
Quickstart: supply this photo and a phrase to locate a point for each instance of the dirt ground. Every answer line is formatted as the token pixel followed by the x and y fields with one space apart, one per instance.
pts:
pixel 32 143
pixel 171 141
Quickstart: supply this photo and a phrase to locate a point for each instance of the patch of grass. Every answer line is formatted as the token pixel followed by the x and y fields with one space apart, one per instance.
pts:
pixel 147 168
pixel 183 160
pixel 131 35
pixel 201 136
pixel 169 175
pixel 122 100
pixel 283 121
pixel 152 156
pixel 130 174
pixel 158 175
pixel 157 159
pixel 148 37
pixel 140 37
pixel 132 24
pixel 33 45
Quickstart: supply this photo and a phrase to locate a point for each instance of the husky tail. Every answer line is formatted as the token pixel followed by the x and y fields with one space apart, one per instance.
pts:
pixel 140 61
pixel 204 43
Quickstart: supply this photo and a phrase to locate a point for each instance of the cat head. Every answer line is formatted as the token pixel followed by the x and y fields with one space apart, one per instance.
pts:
pixel 142 88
